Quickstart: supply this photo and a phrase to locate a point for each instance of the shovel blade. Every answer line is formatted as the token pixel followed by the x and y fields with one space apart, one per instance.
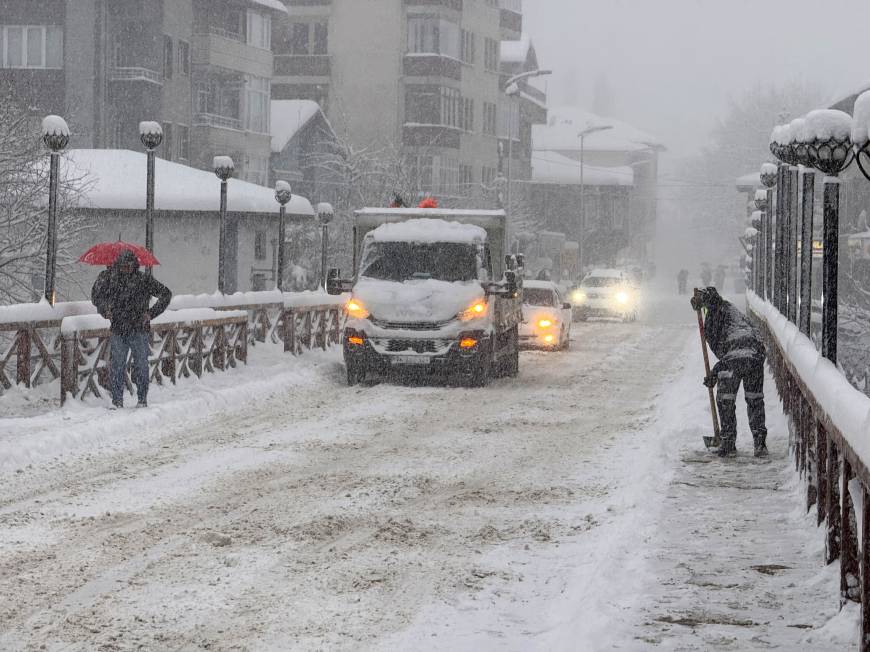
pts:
pixel 711 442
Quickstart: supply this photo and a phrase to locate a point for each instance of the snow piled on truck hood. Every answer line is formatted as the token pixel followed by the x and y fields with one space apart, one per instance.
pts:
pixel 429 231
pixel 416 301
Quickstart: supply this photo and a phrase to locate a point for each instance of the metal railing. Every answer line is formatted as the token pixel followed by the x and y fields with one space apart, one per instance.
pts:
pixel 137 74
pixel 217 121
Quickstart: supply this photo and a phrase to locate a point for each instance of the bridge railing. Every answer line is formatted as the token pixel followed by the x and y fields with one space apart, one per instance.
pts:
pixel 40 343
pixel 829 422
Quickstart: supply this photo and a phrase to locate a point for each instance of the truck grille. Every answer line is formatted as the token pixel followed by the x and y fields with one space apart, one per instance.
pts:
pixel 410 326
pixel 417 346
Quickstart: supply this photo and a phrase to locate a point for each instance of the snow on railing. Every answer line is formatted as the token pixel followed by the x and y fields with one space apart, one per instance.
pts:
pixel 33 335
pixel 830 428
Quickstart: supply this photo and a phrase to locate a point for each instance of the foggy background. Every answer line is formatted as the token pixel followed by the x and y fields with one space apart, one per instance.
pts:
pixel 672 65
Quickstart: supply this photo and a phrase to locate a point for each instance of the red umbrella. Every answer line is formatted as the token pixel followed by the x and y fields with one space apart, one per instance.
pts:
pixel 105 253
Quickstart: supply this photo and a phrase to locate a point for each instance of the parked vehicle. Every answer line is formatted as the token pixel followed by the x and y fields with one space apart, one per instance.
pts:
pixel 608 293
pixel 431 296
pixel 546 317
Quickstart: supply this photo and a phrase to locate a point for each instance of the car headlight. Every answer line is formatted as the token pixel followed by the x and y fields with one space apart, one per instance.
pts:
pixel 355 309
pixel 622 298
pixel 476 310
pixel 545 323
pixel 578 296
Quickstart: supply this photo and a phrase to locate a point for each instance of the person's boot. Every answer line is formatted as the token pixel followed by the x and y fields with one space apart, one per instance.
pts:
pixel 760 445
pixel 727 448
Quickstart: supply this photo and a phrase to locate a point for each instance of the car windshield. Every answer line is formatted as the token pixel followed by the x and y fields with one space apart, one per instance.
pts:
pixel 538 297
pixel 601 281
pixel 407 261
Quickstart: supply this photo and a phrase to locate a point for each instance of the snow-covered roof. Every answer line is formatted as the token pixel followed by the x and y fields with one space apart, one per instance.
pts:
pixel 552 167
pixel 565 124
pixel 115 179
pixel 274 5
pixel 516 51
pixel 288 117
pixel 428 230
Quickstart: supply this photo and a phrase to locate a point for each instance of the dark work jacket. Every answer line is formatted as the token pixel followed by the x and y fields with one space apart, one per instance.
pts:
pixel 732 337
pixel 124 299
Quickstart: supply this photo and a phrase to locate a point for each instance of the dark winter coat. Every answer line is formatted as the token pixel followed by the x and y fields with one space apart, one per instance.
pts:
pixel 732 337
pixel 124 298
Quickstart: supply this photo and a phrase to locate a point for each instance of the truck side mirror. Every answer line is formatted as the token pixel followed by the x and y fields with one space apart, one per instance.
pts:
pixel 511 288
pixel 566 306
pixel 333 281
pixel 521 261
pixel 510 262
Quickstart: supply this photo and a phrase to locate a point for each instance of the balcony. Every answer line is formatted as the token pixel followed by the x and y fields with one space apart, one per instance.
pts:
pixel 432 65
pixel 303 65
pixel 223 49
pixel 511 23
pixel 217 121
pixel 136 74
pixel 423 135
pixel 449 4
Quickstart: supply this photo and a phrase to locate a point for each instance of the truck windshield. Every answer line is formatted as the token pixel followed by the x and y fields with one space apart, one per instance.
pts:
pixel 602 281
pixel 538 297
pixel 406 261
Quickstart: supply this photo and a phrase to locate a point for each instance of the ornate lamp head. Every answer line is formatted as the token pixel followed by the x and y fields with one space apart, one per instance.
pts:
pixel 55 133
pixel 325 213
pixel 777 142
pixel 151 135
pixel 768 175
pixel 761 199
pixel 829 140
pixel 755 220
pixel 861 131
pixel 283 193
pixel 223 167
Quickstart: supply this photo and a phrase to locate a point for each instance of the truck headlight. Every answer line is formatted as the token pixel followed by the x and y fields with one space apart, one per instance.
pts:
pixel 578 296
pixel 355 309
pixel 622 298
pixel 476 310
pixel 545 323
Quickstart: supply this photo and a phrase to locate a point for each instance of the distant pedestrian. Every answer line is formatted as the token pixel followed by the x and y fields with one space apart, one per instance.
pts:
pixel 740 351
pixel 682 281
pixel 706 276
pixel 122 294
pixel 719 278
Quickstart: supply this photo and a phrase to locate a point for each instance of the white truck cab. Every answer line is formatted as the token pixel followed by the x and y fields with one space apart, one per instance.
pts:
pixel 430 296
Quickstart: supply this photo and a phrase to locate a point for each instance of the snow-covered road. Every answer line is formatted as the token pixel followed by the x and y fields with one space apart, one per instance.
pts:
pixel 317 516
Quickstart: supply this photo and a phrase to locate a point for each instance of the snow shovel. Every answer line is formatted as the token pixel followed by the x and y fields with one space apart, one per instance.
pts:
pixel 709 442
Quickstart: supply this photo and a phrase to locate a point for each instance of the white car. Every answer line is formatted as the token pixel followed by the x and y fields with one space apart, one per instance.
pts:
pixel 546 317
pixel 606 293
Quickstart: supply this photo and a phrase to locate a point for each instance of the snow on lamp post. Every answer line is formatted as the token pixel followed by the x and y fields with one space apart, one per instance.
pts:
pixel 828 137
pixel 283 195
pixel 55 135
pixel 223 168
pixel 780 146
pixel 151 135
pixel 757 223
pixel 325 213
pixel 769 174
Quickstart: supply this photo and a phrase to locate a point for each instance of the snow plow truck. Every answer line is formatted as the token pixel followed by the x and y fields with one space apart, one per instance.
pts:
pixel 434 293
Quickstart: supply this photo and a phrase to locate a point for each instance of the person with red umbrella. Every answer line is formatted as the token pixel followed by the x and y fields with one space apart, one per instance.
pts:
pixel 122 294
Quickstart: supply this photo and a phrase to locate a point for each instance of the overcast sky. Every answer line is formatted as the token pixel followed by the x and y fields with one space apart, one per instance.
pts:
pixel 673 64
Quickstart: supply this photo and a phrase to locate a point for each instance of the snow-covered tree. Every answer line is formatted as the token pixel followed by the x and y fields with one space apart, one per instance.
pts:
pixel 24 208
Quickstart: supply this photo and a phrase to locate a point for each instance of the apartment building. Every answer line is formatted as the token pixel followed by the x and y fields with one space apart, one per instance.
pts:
pixel 202 68
pixel 424 76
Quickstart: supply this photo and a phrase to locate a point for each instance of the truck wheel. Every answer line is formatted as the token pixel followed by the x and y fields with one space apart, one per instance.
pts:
pixel 482 370
pixel 355 374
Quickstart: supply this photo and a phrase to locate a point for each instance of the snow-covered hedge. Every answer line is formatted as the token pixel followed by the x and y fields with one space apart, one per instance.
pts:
pixel 847 408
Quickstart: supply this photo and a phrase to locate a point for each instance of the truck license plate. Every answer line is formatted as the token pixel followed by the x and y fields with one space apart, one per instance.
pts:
pixel 411 359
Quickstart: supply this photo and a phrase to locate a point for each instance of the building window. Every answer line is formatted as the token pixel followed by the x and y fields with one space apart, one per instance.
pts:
pixel 299 39
pixel 491 59
pixel 259 30
pixel 448 175
pixel 440 106
pixel 468 53
pixel 466 179
pixel 257 94
pixel 509 118
pixel 489 118
pixel 167 57
pixel 467 114
pixel 167 141
pixel 182 142
pixel 258 282
pixel 31 46
pixel 260 245
pixel 321 38
pixel 184 57
pixel 487 175
pixel 433 36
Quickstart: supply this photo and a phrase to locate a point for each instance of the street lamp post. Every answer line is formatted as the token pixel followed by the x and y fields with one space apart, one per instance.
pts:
pixel 283 195
pixel 151 135
pixel 512 89
pixel 223 168
pixel 768 180
pixel 325 213
pixel 582 135
pixel 55 135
